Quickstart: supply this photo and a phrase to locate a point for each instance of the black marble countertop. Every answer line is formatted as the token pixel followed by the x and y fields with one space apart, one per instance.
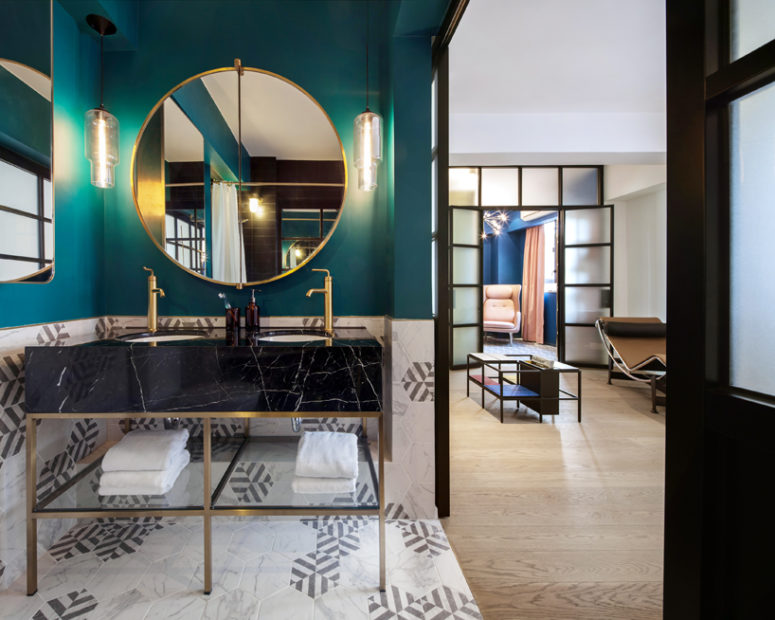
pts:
pixel 215 373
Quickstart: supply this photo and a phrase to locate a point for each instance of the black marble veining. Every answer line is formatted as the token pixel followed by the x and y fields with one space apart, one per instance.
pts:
pixel 216 373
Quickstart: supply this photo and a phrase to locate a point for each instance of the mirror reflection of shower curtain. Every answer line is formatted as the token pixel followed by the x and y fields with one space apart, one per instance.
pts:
pixel 228 248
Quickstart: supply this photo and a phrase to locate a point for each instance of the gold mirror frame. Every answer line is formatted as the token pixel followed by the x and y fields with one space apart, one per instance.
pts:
pixel 132 170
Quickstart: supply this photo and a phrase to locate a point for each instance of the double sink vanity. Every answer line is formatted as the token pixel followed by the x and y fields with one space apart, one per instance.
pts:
pixel 196 379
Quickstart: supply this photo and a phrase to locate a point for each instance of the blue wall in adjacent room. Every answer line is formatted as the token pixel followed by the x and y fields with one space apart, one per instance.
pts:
pixel 76 290
pixel 503 261
pixel 504 257
pixel 550 318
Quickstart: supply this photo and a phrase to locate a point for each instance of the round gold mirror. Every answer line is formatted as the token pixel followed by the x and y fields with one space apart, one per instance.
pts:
pixel 239 176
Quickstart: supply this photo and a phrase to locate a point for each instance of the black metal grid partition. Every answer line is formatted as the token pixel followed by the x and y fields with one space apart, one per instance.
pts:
pixel 585 251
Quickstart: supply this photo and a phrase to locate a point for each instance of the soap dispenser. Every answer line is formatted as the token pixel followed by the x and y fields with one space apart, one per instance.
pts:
pixel 252 314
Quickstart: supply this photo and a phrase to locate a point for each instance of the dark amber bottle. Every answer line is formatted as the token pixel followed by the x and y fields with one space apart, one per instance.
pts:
pixel 252 314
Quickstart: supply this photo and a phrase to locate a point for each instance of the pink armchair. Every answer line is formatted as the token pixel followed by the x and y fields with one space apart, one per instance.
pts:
pixel 501 311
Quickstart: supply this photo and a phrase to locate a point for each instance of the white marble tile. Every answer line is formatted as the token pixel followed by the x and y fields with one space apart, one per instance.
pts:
pixel 287 604
pixel 14 602
pixel 68 576
pixel 117 575
pixel 168 541
pixel 412 572
pixel 419 502
pixel 251 540
pixel 291 536
pixel 180 606
pixel 450 572
pixel 397 482
pixel 125 605
pixel 420 466
pixel 343 602
pixel 232 605
pixel 360 571
pixel 266 574
pixel 227 574
pixel 169 576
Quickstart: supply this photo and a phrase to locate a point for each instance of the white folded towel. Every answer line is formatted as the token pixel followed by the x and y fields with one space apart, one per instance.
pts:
pixel 145 450
pixel 334 486
pixel 148 482
pixel 326 454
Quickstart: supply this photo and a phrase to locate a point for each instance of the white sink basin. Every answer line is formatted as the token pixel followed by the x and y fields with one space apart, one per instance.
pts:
pixel 293 338
pixel 164 337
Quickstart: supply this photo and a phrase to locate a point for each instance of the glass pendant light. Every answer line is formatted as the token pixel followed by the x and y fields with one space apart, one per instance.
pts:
pixel 101 127
pixel 367 142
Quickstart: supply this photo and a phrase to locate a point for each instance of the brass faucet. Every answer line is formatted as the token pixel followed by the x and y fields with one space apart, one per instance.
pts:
pixel 329 304
pixel 153 290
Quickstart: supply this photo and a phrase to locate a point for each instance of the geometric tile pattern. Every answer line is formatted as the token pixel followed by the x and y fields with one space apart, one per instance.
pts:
pixel 395 511
pixel 108 539
pixel 315 573
pixel 55 473
pixel 418 381
pixel 423 537
pixel 251 482
pixel 105 326
pixel 52 334
pixel 203 322
pixel 83 439
pixel 12 424
pixel 443 602
pixel 71 605
pixel 316 569
pixel 220 428
pixel 337 425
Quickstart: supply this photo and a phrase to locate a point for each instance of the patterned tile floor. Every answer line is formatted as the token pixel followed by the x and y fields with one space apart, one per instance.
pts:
pixel 268 568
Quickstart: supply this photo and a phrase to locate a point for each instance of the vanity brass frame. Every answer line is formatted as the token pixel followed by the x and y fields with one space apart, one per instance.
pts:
pixel 207 511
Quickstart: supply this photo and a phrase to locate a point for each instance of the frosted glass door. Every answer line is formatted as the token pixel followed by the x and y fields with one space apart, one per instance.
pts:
pixel 465 255
pixel 586 282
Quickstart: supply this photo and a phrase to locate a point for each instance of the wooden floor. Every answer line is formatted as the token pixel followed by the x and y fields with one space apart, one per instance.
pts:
pixel 560 519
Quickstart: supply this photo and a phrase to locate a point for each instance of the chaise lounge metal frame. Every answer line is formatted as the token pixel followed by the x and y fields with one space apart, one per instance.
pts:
pixel 648 368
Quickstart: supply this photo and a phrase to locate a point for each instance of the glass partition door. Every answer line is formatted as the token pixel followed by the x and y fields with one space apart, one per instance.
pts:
pixel 465 294
pixel 586 282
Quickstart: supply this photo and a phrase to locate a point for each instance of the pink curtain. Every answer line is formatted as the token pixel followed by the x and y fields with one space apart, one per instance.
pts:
pixel 533 286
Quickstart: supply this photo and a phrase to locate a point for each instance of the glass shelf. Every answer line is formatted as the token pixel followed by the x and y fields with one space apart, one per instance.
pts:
pixel 246 473
pixel 264 470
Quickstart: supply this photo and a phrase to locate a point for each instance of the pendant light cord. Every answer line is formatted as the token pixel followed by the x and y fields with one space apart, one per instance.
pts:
pixel 238 66
pixel 102 70
pixel 368 26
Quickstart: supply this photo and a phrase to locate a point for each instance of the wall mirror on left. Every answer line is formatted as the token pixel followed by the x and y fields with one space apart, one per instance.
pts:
pixel 26 143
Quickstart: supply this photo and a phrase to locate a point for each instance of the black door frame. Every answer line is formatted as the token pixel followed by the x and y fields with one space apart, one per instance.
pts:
pixel 440 69
pixel 718 542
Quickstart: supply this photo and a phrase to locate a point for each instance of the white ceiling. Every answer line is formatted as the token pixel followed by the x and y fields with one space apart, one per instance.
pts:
pixel 38 82
pixel 544 68
pixel 278 120
pixel 182 140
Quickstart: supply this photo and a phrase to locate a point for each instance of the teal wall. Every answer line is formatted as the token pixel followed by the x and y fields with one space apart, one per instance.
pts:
pixel 320 46
pixel 380 253
pixel 77 289
pixel 25 120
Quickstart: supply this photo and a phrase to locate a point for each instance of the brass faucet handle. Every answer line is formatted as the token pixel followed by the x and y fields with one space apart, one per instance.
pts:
pixel 325 271
pixel 151 270
pixel 160 291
